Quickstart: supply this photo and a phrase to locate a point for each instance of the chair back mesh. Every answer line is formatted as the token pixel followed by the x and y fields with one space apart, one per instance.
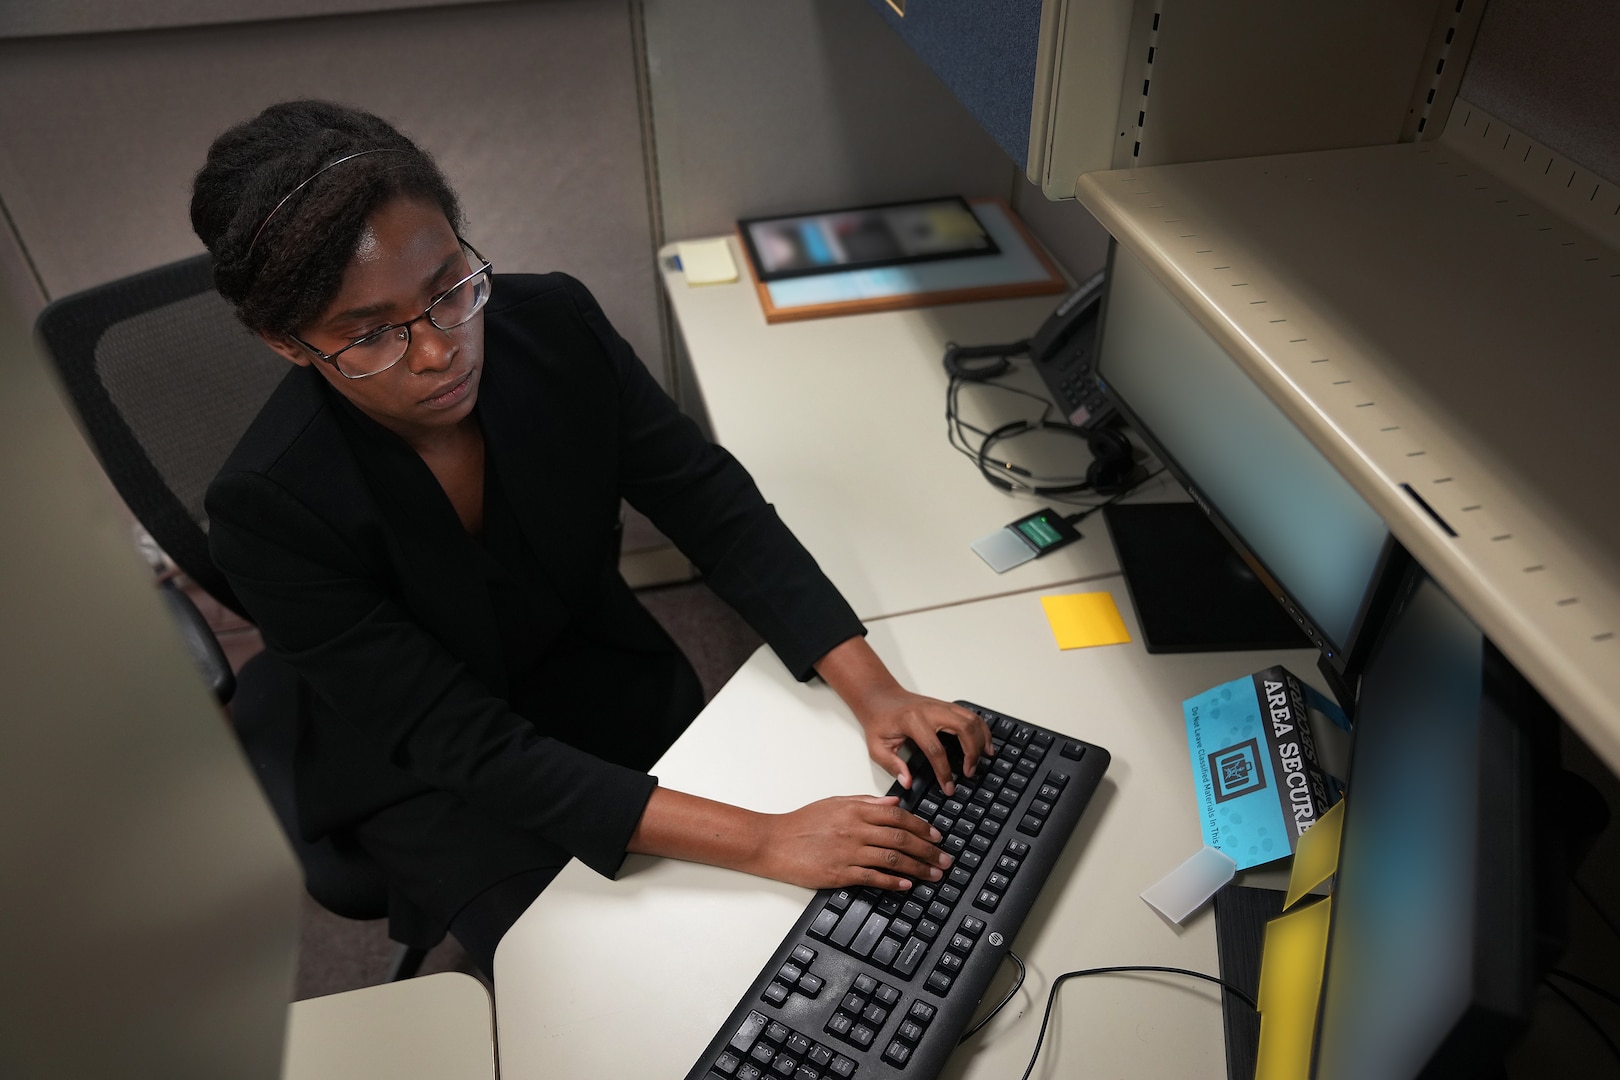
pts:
pixel 165 380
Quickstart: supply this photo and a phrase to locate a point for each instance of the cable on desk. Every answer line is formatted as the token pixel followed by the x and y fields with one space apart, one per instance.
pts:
pixel 1602 914
pixel 1057 983
pixel 991 1015
pixel 1588 1017
pixel 1587 984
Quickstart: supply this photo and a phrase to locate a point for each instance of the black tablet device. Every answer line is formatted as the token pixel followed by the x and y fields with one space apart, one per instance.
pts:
pixel 890 234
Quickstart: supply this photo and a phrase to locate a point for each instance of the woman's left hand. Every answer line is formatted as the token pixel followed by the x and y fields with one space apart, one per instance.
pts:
pixel 891 715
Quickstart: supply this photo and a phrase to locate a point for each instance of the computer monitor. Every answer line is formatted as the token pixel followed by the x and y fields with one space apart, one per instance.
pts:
pixel 1447 907
pixel 1299 525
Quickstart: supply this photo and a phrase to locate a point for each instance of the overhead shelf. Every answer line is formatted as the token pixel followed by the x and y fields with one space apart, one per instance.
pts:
pixel 1442 319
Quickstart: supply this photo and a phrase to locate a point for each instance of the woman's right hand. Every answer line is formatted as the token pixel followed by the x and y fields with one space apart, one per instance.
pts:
pixel 848 840
pixel 851 840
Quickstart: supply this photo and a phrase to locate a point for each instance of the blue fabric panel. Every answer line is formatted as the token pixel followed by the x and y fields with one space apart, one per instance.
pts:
pixel 985 53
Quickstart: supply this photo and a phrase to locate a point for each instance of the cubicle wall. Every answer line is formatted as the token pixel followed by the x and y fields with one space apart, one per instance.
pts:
pixel 530 107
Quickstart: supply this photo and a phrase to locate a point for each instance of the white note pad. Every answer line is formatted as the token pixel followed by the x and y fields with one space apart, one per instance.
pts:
pixel 707 262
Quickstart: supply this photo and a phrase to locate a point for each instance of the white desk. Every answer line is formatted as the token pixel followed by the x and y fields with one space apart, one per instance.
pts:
pixel 634 976
pixel 436 1027
pixel 842 423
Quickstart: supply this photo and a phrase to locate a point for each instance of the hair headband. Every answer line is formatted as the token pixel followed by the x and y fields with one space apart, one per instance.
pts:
pixel 277 208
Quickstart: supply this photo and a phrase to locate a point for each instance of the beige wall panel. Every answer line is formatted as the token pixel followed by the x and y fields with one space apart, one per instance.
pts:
pixel 530 108
pixel 800 104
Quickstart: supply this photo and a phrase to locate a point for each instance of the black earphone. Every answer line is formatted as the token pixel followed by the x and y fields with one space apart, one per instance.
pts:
pixel 1112 469
pixel 1113 466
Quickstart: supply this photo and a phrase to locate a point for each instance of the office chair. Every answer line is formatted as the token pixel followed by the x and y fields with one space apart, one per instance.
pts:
pixel 165 380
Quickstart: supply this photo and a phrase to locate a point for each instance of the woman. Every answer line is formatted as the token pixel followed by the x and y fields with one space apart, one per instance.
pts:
pixel 423 523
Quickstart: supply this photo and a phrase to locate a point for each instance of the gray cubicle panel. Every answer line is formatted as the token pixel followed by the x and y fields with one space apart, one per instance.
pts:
pixel 148 901
pixel 531 108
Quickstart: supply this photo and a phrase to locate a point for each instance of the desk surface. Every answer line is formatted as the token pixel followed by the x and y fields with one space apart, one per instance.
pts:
pixel 841 421
pixel 436 1027
pixel 643 970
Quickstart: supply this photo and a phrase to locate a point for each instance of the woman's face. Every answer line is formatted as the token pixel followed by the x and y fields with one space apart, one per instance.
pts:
pixel 407 256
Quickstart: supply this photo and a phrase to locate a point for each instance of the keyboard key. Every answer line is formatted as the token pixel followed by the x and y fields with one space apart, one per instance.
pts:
pixel 1008 865
pixel 782 1065
pixel 865 984
pixel 1017 848
pixel 803 955
pixel 763 1052
pixel 897 1054
pixel 979 843
pixel 928 929
pixel 987 900
pixel 871 933
pixel 974 812
pixel 972 925
pixel 949 962
pixel 923 893
pixel 1049 792
pixel 1018 782
pixel 902 928
pixel 747 1072
pixel 776 1032
pixel 824 923
pixel 809 985
pixel 840 1023
pixel 862 1035
pixel 798 1043
pixel 775 994
pixel 939 912
pixel 927 809
pixel 888 995
pixel 998 881
pixel 922 1012
pixel 1042 739
pixel 728 1061
pixel 1030 825
pixel 840 900
pixel 954 845
pixel 1040 808
pixel 1022 734
pixel 789 973
pixel 990 827
pixel 853 1003
pixel 851 922
pixel 940 982
pixel 842 1067
pixel 950 894
pixel 970 860
pixel 910 956
pixel 805 1072
pixel 1007 796
pixel 1028 767
pixel 1072 750
pixel 748 1032
pixel 887 904
pixel 910 1030
pixel 961 943
pixel 886 951
pixel 875 1014
pixel 820 1056
pixel 911 910
pixel 1057 779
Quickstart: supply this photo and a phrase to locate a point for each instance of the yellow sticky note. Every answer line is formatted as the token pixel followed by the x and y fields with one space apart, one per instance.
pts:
pixel 1083 619
pixel 707 262
pixel 1316 856
pixel 1290 985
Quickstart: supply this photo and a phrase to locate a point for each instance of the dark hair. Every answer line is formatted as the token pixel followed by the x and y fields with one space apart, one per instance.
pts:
pixel 282 272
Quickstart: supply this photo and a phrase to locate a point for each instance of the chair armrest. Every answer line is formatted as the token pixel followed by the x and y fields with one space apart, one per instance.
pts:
pixel 200 642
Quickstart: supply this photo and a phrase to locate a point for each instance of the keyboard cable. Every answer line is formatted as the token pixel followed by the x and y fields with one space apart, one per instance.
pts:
pixel 1057 983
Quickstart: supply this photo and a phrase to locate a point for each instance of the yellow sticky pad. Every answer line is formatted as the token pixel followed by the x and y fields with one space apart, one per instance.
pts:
pixel 1316 856
pixel 1080 620
pixel 707 262
pixel 1290 985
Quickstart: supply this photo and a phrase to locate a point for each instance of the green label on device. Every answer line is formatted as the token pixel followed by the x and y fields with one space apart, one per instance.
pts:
pixel 1040 532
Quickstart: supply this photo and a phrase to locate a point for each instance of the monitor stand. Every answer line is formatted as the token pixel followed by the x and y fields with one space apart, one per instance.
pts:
pixel 1192 591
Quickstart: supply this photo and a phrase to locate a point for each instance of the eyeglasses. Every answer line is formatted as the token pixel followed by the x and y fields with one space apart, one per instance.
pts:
pixel 383 348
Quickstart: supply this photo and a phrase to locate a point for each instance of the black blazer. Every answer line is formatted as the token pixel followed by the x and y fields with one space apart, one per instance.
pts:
pixel 351 559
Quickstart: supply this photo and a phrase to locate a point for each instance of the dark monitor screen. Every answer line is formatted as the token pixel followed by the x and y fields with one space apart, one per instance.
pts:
pixel 1306 532
pixel 1430 968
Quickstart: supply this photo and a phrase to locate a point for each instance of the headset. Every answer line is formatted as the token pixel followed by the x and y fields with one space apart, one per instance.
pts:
pixel 1113 467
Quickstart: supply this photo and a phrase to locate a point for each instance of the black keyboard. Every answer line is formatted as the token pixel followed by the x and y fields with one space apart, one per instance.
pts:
pixel 877 984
